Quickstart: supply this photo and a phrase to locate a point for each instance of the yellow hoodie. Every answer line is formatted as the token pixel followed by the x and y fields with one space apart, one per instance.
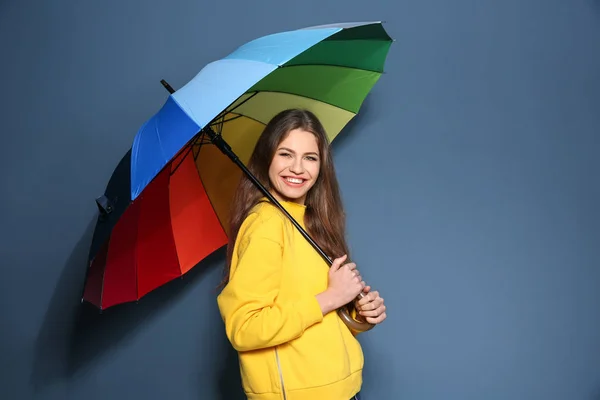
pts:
pixel 287 349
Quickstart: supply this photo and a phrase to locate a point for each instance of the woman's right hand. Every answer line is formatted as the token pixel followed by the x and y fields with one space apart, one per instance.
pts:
pixel 345 283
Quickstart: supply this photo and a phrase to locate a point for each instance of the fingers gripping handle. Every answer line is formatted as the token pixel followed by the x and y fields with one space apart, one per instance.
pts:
pixel 359 324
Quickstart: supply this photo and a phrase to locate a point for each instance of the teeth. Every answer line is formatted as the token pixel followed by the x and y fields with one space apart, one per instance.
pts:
pixel 294 180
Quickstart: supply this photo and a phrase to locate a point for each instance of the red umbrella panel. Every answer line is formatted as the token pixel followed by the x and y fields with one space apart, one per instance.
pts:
pixel 158 237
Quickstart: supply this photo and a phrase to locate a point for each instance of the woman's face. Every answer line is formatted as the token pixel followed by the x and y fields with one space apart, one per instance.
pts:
pixel 295 166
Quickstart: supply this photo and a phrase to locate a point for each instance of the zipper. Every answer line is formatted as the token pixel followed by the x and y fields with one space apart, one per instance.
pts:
pixel 280 374
pixel 340 327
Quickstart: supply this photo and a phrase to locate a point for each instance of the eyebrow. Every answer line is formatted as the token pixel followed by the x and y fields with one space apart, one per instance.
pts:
pixel 292 151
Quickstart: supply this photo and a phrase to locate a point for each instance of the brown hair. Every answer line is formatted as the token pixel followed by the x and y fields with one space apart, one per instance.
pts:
pixel 324 217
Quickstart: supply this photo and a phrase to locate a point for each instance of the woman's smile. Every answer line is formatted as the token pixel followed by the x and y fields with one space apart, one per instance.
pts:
pixel 294 182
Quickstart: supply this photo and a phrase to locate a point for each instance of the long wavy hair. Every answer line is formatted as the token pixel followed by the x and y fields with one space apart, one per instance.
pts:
pixel 324 218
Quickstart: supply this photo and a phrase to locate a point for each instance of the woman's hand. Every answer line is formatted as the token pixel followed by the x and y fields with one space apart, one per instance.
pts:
pixel 345 283
pixel 371 307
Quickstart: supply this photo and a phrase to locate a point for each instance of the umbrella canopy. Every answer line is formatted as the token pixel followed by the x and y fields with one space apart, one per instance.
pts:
pixel 181 186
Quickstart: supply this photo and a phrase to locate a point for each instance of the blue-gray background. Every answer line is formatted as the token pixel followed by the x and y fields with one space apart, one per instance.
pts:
pixel 470 179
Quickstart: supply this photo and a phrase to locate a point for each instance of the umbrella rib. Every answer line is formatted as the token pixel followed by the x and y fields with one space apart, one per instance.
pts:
pixel 240 115
pixel 227 120
pixel 203 140
pixel 207 141
pixel 221 124
pixel 227 110
pixel 187 152
pixel 218 122
pixel 332 65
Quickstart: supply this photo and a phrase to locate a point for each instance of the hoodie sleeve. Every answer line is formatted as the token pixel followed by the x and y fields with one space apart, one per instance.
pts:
pixel 255 316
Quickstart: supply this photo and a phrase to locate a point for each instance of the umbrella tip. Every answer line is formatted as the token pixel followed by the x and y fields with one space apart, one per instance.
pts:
pixel 167 86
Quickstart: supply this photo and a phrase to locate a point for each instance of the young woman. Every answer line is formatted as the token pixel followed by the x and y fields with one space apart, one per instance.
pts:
pixel 280 297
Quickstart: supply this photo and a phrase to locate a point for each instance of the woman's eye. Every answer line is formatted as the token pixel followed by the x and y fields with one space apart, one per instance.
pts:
pixel 284 154
pixel 310 158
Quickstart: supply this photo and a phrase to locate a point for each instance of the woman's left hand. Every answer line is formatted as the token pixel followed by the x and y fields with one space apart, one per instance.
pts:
pixel 371 307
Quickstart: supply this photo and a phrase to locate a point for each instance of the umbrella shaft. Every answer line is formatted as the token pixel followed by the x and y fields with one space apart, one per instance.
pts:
pixel 222 145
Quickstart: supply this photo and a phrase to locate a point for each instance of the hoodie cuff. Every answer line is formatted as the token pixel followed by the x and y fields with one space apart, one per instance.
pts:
pixel 310 310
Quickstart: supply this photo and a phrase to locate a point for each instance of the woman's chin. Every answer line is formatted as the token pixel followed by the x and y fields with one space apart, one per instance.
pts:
pixel 293 196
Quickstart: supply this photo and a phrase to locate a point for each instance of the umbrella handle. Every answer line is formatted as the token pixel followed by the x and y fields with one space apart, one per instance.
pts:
pixel 359 323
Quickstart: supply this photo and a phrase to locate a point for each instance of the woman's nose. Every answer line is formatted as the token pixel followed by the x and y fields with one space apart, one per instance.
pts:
pixel 297 167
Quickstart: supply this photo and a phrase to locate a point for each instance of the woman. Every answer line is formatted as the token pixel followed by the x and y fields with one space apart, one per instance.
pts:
pixel 280 296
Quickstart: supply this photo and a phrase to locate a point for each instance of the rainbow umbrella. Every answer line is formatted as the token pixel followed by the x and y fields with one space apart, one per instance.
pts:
pixel 171 212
